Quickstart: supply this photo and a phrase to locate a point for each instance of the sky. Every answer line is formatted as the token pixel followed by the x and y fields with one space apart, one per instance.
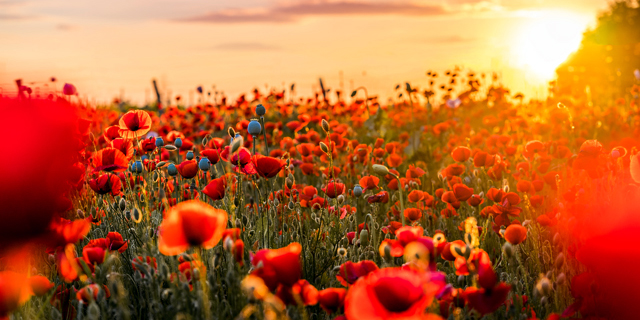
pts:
pixel 115 48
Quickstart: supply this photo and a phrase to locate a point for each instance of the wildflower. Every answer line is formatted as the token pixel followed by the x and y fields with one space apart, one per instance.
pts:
pixel 350 272
pixel 334 189
pixel 14 291
pixel 109 160
pixel 188 169
pixel 191 223
pixel 515 234
pixel 278 266
pixel 392 293
pixel 267 167
pixel 135 124
pixel 461 154
pixel 216 188
pixel 332 299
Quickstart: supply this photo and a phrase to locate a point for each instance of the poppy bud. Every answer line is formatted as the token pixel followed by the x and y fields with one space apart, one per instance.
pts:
pixel 325 126
pixel 178 143
pixel 204 164
pixel 561 279
pixel 507 248
pixel 340 199
pixel 364 237
pixel 231 132
pixel 159 142
pixel 172 170
pixel 342 252
pixel 324 148
pixel 122 204
pixel 254 128
pixel 291 205
pixel 289 182
pixel 559 261
pixel 237 142
pixel 544 286
pixel 190 155
pixel 380 169
pixel 260 110
pixel 556 239
pixel 357 190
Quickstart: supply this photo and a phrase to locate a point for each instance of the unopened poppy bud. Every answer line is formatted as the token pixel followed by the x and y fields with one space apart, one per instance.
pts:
pixel 544 286
pixel 561 279
pixel 364 238
pixel 324 147
pixel 342 252
pixel 507 248
pixel 237 142
pixel 276 202
pixel 461 281
pixel 122 204
pixel 380 169
pixel 231 132
pixel 178 143
pixel 238 224
pixel 291 205
pixel 506 188
pixel 556 239
pixel 325 126
pixel 228 244
pixel 254 128
pixel 190 155
pixel 260 110
pixel 357 190
pixel 559 261
pixel 289 182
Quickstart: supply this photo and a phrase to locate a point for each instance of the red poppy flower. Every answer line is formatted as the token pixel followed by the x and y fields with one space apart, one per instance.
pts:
pixel 515 234
pixel 125 146
pixel 486 301
pixel 278 266
pixel 40 285
pixel 216 188
pixel 461 154
pixel 415 196
pixel 115 242
pixel 188 169
pixel 14 291
pixel 191 223
pixel 369 182
pixel 110 160
pixel 93 255
pixel 267 167
pixel 334 189
pixel 380 197
pixel 301 291
pixel 393 293
pixel 462 192
pixel 134 124
pixel 111 133
pixel 240 158
pixel 90 293
pixel 212 154
pixel 414 172
pixel 475 200
pixel 412 214
pixel 352 271
pixel 332 299
pixel 106 183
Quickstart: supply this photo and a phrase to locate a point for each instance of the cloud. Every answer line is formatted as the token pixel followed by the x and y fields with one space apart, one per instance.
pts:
pixel 246 46
pixel 65 27
pixel 292 13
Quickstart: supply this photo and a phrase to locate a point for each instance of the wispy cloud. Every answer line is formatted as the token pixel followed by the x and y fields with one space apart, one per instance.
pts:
pixel 246 46
pixel 13 17
pixel 294 12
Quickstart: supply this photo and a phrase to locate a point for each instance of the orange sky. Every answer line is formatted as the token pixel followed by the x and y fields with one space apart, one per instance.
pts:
pixel 116 47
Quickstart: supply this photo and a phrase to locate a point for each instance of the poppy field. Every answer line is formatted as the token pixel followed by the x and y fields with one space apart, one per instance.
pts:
pixel 334 206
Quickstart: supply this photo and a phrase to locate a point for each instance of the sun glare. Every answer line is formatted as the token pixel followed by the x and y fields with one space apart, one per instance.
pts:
pixel 546 39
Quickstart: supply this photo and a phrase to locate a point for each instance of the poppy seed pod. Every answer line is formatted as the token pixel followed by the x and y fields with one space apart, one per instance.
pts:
pixel 260 110
pixel 178 143
pixel 380 169
pixel 136 167
pixel 159 142
pixel 190 155
pixel 325 126
pixel 357 190
pixel 254 128
pixel 204 164
pixel 172 170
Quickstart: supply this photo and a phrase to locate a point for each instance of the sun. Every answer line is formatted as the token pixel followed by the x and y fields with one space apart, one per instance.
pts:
pixel 546 39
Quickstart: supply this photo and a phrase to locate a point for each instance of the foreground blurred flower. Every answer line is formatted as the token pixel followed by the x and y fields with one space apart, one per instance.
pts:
pixel 352 271
pixel 14 291
pixel 393 293
pixel 134 124
pixel 191 223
